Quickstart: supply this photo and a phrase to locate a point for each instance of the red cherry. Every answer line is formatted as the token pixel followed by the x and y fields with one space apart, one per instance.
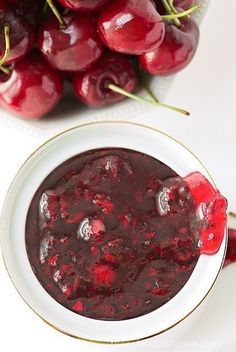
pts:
pixel 90 86
pixel 32 90
pixel 83 5
pixel 176 51
pixel 73 48
pixel 21 36
pixel 184 4
pixel 131 26
pixel 3 6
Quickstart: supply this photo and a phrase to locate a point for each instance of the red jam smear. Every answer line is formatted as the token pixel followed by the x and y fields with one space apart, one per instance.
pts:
pixel 114 234
pixel 211 209
pixel 231 250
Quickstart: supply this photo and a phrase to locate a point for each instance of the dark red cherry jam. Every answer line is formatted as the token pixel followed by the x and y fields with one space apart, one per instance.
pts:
pixel 114 234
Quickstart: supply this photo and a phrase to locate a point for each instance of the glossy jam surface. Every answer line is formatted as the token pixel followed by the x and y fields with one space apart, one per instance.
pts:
pixel 114 234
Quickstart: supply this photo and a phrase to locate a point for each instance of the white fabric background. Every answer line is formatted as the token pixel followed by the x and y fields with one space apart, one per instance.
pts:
pixel 208 89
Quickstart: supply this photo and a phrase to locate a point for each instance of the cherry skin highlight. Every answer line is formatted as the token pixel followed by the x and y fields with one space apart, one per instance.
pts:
pixel 90 86
pixel 21 36
pixel 32 90
pixel 83 5
pixel 73 48
pixel 131 27
pixel 176 51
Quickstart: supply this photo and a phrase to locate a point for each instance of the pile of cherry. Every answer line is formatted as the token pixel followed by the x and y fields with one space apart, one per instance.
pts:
pixel 101 46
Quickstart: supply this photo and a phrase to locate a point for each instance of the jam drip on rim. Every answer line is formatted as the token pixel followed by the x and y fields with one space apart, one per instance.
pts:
pixel 114 234
pixel 209 221
pixel 231 251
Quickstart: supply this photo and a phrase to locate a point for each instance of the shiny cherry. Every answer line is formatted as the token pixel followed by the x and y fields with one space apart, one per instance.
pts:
pixel 176 51
pixel 131 26
pixel 32 90
pixel 91 86
pixel 21 36
pixel 83 5
pixel 74 47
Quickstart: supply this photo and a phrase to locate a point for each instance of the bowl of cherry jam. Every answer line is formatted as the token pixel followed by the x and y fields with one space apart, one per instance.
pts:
pixel 113 232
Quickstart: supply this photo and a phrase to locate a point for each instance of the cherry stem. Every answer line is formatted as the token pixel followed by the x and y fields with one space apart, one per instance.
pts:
pixel 7 45
pixel 148 90
pixel 6 54
pixel 232 214
pixel 181 14
pixel 56 13
pixel 45 8
pixel 171 10
pixel 5 70
pixel 121 91
pixel 144 84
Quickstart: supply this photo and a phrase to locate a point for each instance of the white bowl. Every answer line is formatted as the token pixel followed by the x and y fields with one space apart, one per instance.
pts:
pixel 30 176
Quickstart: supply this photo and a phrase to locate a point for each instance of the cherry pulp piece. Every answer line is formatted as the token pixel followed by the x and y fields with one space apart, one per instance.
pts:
pixel 32 89
pixel 74 47
pixel 83 5
pixel 96 241
pixel 176 51
pixel 21 36
pixel 231 250
pixel 91 86
pixel 131 26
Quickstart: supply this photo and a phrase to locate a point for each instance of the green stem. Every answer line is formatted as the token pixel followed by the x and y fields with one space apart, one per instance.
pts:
pixel 6 54
pixel 232 214
pixel 56 13
pixel 181 14
pixel 5 70
pixel 45 8
pixel 7 45
pixel 144 84
pixel 171 4
pixel 121 91
pixel 171 10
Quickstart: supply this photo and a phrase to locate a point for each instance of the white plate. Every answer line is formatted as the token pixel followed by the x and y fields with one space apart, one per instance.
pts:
pixel 69 113
pixel 169 321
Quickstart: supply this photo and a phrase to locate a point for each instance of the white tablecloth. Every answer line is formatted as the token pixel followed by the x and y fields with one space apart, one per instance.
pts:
pixel 208 89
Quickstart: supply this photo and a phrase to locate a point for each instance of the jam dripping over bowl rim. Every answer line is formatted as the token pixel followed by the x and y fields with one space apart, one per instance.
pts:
pixel 84 137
